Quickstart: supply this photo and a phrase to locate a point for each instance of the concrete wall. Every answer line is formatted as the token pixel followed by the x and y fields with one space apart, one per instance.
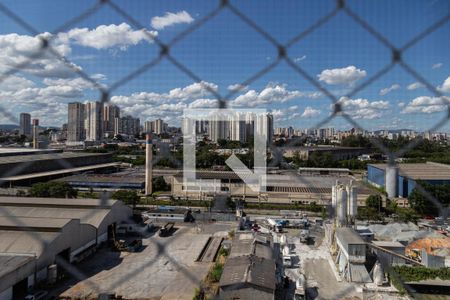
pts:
pixel 6 294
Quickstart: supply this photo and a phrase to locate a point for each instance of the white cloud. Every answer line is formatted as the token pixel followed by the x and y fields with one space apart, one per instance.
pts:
pixel 16 50
pixel 363 108
pixel 310 112
pixel 445 87
pixel 108 36
pixel 237 87
pixel 300 58
pixel 343 76
pixel 415 86
pixel 14 83
pixel 272 93
pixel 170 19
pixel 437 65
pixel 426 104
pixel 387 90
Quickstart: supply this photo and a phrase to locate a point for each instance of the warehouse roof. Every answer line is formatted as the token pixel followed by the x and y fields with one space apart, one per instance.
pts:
pixel 249 269
pixel 247 243
pixel 11 263
pixel 26 242
pixel 6 151
pixel 93 217
pixel 425 171
pixel 31 223
pixel 56 202
pixel 60 172
pixel 52 156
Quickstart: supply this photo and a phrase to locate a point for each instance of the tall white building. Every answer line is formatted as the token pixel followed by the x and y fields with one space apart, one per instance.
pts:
pixel 94 121
pixel 264 126
pixel 25 124
pixel 76 122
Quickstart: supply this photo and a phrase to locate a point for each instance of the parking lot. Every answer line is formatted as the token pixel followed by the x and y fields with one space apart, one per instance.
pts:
pixel 164 269
pixel 314 261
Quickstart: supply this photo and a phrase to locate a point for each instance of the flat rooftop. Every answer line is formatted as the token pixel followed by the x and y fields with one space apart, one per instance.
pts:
pixel 425 171
pixel 348 236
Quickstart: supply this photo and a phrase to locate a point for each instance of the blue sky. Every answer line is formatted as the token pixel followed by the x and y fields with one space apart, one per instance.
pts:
pixel 224 52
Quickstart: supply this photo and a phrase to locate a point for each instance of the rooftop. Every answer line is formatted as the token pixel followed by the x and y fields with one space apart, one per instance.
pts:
pixel 245 244
pixel 388 244
pixel 48 156
pixel 11 263
pixel 25 151
pixel 249 269
pixel 425 171
pixel 9 222
pixel 349 236
pixel 56 202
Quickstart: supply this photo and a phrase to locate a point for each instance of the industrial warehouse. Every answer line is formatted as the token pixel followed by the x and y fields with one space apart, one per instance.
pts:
pixel 400 180
pixel 40 235
pixel 282 188
pixel 18 168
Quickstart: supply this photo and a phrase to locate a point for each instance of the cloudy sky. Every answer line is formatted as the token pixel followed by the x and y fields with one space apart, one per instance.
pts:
pixel 223 53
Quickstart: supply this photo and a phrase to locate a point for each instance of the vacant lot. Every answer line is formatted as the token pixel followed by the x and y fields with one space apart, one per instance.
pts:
pixel 165 269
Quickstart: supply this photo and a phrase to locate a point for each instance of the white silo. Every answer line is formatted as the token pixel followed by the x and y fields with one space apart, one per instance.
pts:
pixel 341 204
pixel 333 197
pixel 391 180
pixel 353 202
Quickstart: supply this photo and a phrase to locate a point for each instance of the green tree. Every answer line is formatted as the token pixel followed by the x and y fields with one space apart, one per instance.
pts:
pixel 159 184
pixel 128 197
pixel 374 201
pixel 53 190
pixel 423 205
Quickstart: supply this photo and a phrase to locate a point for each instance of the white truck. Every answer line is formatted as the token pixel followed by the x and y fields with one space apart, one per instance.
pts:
pixel 287 261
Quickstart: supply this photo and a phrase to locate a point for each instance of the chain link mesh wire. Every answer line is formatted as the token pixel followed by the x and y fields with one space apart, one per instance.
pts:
pixel 341 7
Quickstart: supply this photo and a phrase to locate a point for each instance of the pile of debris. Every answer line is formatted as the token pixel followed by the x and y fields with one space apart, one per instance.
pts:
pixel 406 232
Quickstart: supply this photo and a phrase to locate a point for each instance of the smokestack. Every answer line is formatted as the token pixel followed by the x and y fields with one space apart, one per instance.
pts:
pixel 148 164
pixel 35 133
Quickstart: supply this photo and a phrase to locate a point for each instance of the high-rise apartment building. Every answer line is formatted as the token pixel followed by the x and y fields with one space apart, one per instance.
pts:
pixel 127 125
pixel 110 112
pixel 94 121
pixel 25 124
pixel 75 125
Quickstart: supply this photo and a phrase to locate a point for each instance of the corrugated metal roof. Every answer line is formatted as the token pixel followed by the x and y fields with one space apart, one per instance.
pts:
pixel 425 171
pixel 10 263
pixel 348 236
pixel 87 216
pixel 249 269
pixel 26 242
pixel 37 224
pixel 50 156
pixel 56 202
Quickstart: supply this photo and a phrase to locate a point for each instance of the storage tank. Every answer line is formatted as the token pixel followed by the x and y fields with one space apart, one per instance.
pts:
pixel 391 181
pixel 333 196
pixel 353 202
pixel 341 204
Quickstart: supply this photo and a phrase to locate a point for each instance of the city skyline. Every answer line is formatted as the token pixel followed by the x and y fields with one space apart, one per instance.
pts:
pixel 340 57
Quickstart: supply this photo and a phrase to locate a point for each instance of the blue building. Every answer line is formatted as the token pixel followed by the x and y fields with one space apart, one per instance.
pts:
pixel 408 174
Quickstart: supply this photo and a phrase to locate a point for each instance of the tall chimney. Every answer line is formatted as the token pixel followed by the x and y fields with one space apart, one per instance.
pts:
pixel 35 133
pixel 148 164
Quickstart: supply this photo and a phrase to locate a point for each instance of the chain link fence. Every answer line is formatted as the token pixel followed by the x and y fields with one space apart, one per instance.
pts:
pixel 397 58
